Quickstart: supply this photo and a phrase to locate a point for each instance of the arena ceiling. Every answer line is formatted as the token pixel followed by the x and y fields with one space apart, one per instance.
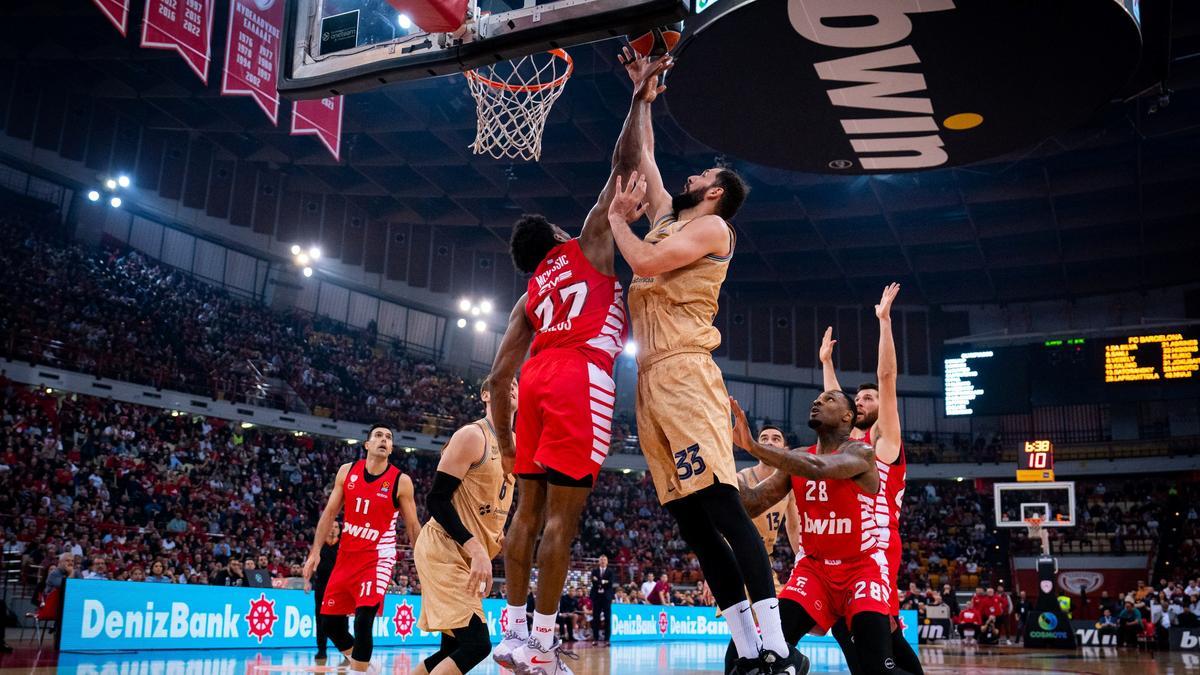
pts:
pixel 1112 206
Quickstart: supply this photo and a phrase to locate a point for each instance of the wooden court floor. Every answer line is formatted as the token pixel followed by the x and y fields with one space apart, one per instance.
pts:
pixel 628 659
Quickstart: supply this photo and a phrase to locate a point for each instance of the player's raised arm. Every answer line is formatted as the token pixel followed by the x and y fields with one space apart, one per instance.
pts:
pixel 828 374
pixel 513 347
pixel 706 235
pixel 596 237
pixel 657 197
pixel 766 494
pixel 465 448
pixel 854 458
pixel 406 501
pixel 325 524
pixel 887 444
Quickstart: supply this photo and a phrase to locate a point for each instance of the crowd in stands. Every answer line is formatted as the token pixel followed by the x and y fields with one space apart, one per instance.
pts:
pixel 113 312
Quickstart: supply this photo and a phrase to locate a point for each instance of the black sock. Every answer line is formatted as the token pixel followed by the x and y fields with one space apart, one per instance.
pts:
pixel 903 652
pixel 873 642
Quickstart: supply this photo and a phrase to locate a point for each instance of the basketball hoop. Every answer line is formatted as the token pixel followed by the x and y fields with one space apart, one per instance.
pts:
pixel 513 99
pixel 1036 529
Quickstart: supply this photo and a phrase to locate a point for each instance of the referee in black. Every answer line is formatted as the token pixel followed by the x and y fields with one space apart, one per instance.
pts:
pixel 321 577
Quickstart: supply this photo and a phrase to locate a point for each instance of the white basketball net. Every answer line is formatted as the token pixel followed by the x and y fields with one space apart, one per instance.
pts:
pixel 513 99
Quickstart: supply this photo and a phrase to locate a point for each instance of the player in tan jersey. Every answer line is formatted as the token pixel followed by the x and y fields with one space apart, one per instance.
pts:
pixel 683 414
pixel 468 505
pixel 783 512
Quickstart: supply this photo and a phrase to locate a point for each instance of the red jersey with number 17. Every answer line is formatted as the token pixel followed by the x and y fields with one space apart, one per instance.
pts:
pixel 837 517
pixel 572 305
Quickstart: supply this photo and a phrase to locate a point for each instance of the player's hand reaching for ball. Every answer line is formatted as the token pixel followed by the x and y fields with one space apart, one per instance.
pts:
pixel 883 311
pixel 644 72
pixel 629 203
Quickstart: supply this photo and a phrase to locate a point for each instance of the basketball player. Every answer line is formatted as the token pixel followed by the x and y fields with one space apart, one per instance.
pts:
pixel 879 424
pixel 572 322
pixel 374 492
pixel 468 505
pixel 682 405
pixel 783 512
pixel 843 574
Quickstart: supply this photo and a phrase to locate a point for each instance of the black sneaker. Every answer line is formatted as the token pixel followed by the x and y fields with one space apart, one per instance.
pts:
pixel 795 663
pixel 745 666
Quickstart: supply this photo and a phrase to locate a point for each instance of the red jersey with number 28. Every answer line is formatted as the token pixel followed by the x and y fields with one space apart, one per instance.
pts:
pixel 571 305
pixel 370 506
pixel 837 517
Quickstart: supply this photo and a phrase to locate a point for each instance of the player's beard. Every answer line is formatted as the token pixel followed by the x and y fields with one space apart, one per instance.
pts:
pixel 686 200
pixel 866 421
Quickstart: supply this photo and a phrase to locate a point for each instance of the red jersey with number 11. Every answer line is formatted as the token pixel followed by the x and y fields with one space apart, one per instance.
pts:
pixel 369 524
pixel 571 305
pixel 837 517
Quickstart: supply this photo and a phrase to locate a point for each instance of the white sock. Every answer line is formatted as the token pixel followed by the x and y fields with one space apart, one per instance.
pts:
pixel 543 628
pixel 767 612
pixel 517 621
pixel 741 624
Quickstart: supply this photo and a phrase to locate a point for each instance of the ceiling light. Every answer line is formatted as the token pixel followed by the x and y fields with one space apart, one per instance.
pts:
pixel 480 326
pixel 307 272
pixel 314 253
pixel 295 249
pixel 462 323
pixel 404 21
pixel 93 196
pixel 115 202
pixel 486 306
pixel 110 184
pixel 123 180
pixel 464 305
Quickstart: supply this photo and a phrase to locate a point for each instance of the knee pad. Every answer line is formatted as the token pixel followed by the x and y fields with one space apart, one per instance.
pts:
pixel 474 645
pixel 364 642
pixel 337 628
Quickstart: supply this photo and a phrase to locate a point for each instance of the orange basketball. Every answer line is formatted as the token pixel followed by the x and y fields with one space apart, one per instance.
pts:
pixel 657 41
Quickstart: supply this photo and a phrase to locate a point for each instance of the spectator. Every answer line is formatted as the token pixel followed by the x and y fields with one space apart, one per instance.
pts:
pixel 661 594
pixel 1108 624
pixel 97 570
pixel 137 573
pixel 648 585
pixel 1129 625
pixel 230 575
pixel 158 573
pixel 58 576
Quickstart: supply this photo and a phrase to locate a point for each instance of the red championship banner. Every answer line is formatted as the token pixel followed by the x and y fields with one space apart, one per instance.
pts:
pixel 252 52
pixel 322 117
pixel 117 12
pixel 182 25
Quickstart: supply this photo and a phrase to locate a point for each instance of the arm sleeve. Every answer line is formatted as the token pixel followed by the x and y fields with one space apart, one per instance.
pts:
pixel 440 508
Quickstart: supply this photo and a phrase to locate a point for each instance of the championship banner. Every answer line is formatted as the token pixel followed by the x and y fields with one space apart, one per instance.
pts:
pixel 117 11
pixel 322 118
pixel 184 26
pixel 252 52
pixel 127 615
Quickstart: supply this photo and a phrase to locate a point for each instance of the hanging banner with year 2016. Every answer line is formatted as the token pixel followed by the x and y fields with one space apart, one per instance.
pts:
pixel 322 118
pixel 184 26
pixel 252 52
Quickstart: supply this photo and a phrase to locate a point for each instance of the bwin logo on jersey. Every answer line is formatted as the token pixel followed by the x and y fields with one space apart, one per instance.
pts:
pixel 830 525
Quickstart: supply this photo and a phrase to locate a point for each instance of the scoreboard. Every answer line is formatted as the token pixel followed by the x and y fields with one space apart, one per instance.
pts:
pixel 1036 462
pixel 1154 364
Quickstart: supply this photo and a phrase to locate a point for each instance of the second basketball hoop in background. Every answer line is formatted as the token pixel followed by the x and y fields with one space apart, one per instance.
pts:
pixel 513 100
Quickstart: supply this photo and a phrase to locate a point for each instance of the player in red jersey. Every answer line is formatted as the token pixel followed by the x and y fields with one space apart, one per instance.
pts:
pixel 572 322
pixel 843 574
pixel 879 424
pixel 374 492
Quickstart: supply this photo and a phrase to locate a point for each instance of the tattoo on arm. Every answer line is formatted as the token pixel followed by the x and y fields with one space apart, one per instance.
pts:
pixel 766 494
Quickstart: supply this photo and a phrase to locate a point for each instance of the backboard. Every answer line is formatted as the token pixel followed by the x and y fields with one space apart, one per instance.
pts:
pixel 1053 502
pixel 343 46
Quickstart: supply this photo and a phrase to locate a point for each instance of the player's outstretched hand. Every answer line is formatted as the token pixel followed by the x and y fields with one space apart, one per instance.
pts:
pixel 741 427
pixel 883 311
pixel 644 72
pixel 827 343
pixel 629 203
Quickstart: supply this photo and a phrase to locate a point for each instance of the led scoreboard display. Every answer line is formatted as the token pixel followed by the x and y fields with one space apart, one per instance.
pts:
pixel 1149 358
pixel 1152 364
pixel 1036 462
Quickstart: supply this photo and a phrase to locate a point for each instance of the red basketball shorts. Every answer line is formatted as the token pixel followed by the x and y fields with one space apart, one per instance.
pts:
pixel 564 415
pixel 359 579
pixel 830 590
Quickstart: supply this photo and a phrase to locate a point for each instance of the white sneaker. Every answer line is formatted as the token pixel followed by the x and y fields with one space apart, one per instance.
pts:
pixel 531 659
pixel 503 653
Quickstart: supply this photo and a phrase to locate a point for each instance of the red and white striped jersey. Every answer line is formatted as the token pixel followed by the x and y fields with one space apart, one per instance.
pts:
pixel 571 305
pixel 888 504
pixel 369 523
pixel 837 517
